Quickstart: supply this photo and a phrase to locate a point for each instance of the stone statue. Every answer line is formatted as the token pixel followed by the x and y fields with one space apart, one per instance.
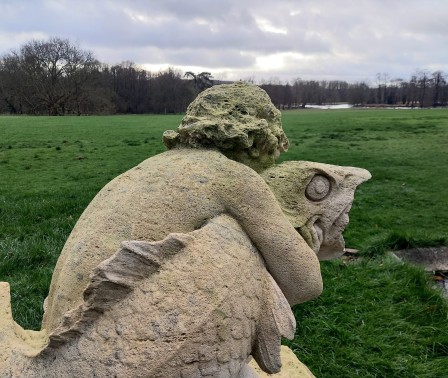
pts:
pixel 187 264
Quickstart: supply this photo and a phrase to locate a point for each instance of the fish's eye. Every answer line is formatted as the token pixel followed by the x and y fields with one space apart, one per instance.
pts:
pixel 318 188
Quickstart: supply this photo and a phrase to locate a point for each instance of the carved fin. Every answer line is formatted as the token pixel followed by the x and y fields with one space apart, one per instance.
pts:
pixel 281 310
pixel 113 279
pixel 276 321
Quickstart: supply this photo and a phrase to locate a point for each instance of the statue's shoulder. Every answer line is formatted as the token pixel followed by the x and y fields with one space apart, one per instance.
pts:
pixel 207 160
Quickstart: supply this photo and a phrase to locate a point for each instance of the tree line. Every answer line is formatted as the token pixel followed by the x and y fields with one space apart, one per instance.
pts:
pixel 56 77
pixel 424 89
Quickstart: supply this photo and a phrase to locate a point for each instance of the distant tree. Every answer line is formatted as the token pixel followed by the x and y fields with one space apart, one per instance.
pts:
pixel 311 93
pixel 131 86
pixel 171 94
pixel 359 93
pixel 336 91
pixel 47 76
pixel 382 80
pixel 202 80
pixel 276 91
pixel 392 92
pixel 439 88
pixel 403 91
pixel 412 97
pixel 423 84
pixel 287 96
pixel 13 98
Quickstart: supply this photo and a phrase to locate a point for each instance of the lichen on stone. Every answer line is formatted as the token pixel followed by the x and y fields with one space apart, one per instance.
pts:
pixel 237 119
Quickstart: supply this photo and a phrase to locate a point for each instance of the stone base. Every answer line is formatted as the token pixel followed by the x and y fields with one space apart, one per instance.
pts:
pixel 291 367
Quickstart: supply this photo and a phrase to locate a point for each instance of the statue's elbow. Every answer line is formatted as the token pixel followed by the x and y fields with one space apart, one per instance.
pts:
pixel 306 291
pixel 316 289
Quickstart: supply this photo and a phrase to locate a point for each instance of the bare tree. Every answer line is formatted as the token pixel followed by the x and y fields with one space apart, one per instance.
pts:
pixel 131 85
pixel 423 84
pixel 171 93
pixel 14 98
pixel 439 88
pixel 50 75
pixel 359 93
pixel 382 80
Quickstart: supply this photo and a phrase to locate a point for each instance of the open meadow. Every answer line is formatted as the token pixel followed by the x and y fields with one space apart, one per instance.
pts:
pixel 376 317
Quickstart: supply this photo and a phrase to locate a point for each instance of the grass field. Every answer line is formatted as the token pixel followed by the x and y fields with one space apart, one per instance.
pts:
pixel 376 317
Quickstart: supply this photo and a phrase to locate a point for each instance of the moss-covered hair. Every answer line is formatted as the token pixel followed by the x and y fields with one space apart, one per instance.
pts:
pixel 238 119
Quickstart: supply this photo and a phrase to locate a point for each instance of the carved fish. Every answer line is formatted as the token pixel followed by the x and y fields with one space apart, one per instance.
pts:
pixel 148 311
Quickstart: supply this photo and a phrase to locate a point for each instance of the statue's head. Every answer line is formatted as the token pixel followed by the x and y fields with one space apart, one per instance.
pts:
pixel 238 119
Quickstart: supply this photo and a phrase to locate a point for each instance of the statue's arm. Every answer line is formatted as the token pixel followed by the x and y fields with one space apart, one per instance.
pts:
pixel 289 259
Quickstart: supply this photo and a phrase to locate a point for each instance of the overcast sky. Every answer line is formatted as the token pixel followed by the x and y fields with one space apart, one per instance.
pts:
pixel 349 40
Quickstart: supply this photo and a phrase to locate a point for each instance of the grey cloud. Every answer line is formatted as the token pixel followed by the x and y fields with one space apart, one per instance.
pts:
pixel 227 58
pixel 111 25
pixel 346 38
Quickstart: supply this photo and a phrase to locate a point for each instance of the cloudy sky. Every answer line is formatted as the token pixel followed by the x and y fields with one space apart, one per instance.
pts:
pixel 283 40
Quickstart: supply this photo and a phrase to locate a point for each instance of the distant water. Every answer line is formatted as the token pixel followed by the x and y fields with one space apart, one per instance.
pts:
pixel 330 106
pixel 348 106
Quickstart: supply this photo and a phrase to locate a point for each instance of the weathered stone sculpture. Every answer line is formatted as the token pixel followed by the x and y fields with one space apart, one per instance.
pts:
pixel 186 265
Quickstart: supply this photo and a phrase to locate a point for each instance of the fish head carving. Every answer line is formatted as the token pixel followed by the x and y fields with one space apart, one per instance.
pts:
pixel 316 198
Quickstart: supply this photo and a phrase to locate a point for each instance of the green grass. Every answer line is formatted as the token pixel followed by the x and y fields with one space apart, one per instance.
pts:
pixel 376 317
